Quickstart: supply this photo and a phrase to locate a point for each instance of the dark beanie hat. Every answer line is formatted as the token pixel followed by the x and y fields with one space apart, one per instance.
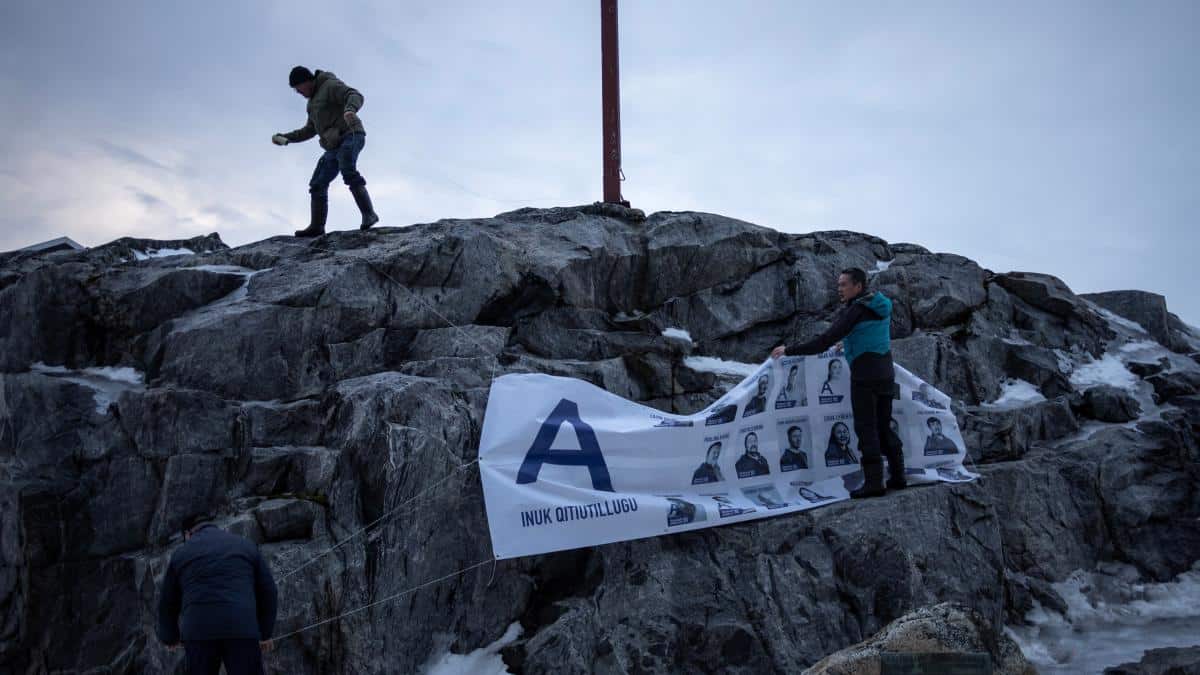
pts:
pixel 299 74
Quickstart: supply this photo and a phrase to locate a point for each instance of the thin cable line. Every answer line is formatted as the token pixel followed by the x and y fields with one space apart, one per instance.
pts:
pixel 389 598
pixel 398 508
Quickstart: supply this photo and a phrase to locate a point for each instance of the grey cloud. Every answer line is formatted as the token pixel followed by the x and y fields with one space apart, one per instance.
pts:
pixel 147 199
pixel 225 212
pixel 130 156
pixel 1056 137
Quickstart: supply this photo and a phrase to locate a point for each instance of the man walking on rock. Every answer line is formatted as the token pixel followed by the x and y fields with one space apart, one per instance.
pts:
pixel 864 327
pixel 332 117
pixel 219 599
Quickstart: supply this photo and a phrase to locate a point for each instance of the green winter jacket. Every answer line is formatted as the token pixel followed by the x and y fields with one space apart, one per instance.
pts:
pixel 330 101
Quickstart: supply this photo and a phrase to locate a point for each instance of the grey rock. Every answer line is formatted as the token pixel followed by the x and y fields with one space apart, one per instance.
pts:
pixel 940 629
pixel 289 470
pixel 192 485
pixel 301 391
pixel 1043 291
pixel 1110 404
pixel 940 289
pixel 1143 369
pixel 1038 366
pixel 462 342
pixel 1190 407
pixel 939 360
pixel 1165 661
pixel 282 519
pixel 48 444
pixel 165 422
pixel 1170 384
pixel 1023 593
pixel 1145 308
pixel 1003 435
pixel 1064 321
pixel 268 423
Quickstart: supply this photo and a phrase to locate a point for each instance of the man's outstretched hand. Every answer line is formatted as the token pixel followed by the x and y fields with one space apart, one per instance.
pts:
pixel 351 117
pixel 779 352
pixel 279 139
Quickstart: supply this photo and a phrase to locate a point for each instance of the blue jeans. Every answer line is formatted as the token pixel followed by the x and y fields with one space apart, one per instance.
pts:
pixel 343 159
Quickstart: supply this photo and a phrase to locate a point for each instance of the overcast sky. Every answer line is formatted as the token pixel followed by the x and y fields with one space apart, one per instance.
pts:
pixel 1056 137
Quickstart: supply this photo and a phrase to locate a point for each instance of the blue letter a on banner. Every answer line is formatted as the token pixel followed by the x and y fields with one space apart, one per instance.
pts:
pixel 588 455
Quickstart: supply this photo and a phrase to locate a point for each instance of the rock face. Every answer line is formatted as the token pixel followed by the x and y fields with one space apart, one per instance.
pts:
pixel 306 390
pixel 1107 403
pixel 940 629
pixel 1170 661
pixel 1150 311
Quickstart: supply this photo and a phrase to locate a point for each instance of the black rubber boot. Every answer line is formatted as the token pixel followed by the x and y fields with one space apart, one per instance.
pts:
pixel 872 481
pixel 364 204
pixel 894 449
pixel 320 211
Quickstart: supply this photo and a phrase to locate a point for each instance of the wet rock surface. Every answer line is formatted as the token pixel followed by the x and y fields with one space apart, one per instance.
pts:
pixel 1109 404
pixel 940 629
pixel 1169 661
pixel 301 390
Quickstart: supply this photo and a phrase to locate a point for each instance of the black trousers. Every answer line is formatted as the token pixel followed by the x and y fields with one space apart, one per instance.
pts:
pixel 241 657
pixel 871 403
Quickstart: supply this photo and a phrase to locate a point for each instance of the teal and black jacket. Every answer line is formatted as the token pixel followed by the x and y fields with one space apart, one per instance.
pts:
pixel 865 328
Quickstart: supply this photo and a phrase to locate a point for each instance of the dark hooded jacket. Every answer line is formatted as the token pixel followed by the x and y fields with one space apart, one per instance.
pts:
pixel 217 587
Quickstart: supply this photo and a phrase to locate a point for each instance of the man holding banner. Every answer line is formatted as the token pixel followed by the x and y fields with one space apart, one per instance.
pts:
pixel 864 327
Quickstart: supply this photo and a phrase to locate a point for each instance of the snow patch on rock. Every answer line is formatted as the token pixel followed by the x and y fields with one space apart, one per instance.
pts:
pixel 483 661
pixel 106 382
pixel 161 253
pixel 1015 393
pixel 678 334
pixel 1112 617
pixel 1108 369
pixel 711 364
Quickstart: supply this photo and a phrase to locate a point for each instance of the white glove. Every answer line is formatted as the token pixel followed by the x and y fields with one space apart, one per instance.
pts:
pixel 279 139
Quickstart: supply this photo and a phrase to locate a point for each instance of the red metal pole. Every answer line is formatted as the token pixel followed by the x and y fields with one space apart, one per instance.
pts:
pixel 611 85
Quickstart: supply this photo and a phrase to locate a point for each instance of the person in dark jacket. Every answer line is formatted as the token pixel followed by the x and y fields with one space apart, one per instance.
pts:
pixel 333 118
pixel 218 598
pixel 864 327
pixel 709 471
pixel 793 456
pixel 751 463
pixel 938 443
pixel 838 451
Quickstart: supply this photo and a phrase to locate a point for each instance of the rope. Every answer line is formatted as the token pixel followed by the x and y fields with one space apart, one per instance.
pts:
pixel 389 598
pixel 398 508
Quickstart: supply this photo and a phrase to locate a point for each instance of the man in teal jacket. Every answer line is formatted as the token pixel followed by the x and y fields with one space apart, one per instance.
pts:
pixel 864 327
pixel 333 118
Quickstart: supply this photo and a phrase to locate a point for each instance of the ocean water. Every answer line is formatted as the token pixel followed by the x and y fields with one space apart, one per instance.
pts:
pixel 1112 618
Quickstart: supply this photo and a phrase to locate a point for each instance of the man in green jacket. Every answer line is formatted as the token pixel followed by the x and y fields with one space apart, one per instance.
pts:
pixel 333 117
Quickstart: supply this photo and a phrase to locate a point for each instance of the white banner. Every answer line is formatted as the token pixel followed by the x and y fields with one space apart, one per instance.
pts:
pixel 565 464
